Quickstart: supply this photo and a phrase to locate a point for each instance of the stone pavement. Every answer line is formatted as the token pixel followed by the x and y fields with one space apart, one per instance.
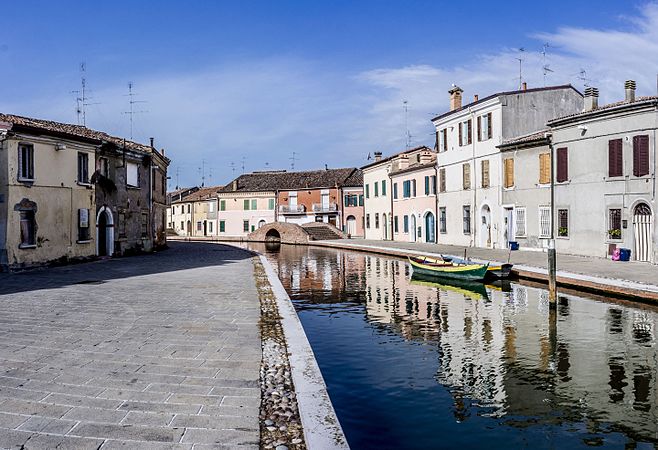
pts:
pixel 153 351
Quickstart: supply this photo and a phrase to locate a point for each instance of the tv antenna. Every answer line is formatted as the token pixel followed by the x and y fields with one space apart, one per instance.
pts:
pixel 177 177
pixel 293 158
pixel 202 172
pixel 582 76
pixel 520 59
pixel 546 69
pixel 81 98
pixel 232 167
pixel 132 101
pixel 407 134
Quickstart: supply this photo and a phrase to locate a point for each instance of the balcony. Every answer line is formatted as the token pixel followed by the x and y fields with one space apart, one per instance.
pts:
pixel 292 209
pixel 320 208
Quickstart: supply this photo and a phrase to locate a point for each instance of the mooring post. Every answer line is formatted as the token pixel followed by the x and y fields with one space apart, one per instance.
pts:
pixel 552 263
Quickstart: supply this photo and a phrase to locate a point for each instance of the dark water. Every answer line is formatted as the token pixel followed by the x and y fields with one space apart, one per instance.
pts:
pixel 416 365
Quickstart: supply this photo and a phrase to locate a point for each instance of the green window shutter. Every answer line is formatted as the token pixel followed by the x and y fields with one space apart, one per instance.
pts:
pixel 222 205
pixel 383 187
pixel 254 204
pixel 361 200
pixel 367 191
pixel 427 185
pixel 376 189
pixel 245 205
pixel 222 226
pixel 270 203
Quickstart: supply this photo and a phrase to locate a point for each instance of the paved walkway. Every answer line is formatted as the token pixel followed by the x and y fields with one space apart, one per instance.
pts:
pixel 630 275
pixel 154 351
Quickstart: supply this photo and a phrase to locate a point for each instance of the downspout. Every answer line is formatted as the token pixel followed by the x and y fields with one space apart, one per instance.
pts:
pixel 342 208
pixel 390 182
pixel 436 200
pixel 475 213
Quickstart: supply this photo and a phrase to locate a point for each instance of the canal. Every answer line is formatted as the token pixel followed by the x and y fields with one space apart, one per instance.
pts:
pixel 418 365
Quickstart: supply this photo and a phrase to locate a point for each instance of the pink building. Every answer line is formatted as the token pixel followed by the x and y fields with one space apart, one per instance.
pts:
pixel 413 185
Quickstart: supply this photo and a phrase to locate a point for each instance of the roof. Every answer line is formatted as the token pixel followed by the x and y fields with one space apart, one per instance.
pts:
pixel 355 179
pixel 203 193
pixel 499 94
pixel 538 137
pixel 388 158
pixel 414 167
pixel 72 131
pixel 273 181
pixel 606 109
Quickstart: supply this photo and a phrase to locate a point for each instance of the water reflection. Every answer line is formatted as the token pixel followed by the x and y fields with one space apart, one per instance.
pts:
pixel 583 373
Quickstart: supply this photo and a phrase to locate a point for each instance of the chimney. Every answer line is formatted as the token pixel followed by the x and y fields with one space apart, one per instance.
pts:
pixel 425 157
pixel 378 156
pixel 455 97
pixel 162 150
pixel 524 86
pixel 629 87
pixel 475 98
pixel 234 185
pixel 403 162
pixel 152 139
pixel 591 99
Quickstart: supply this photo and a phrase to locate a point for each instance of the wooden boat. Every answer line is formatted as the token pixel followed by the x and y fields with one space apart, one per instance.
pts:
pixel 440 268
pixel 471 289
pixel 495 270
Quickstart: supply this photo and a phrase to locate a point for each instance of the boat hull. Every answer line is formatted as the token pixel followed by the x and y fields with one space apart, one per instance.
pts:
pixel 495 271
pixel 428 268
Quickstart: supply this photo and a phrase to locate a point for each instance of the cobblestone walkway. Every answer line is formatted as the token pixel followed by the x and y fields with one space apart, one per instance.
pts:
pixel 155 351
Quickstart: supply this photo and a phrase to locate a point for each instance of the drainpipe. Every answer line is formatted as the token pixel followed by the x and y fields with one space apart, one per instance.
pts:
pixel 475 213
pixel 390 182
pixel 436 200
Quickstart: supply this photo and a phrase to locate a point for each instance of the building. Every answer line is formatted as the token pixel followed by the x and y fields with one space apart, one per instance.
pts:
pixel 176 196
pixel 471 172
pixel 605 177
pixel 64 187
pixel 352 204
pixel 378 205
pixel 247 203
pixel 413 185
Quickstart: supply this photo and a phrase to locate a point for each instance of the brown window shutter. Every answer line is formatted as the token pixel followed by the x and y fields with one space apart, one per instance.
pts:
pixel 640 155
pixel 442 181
pixel 466 172
pixel 461 135
pixel 544 168
pixel 562 165
pixel 479 128
pixel 485 173
pixel 445 139
pixel 436 142
pixel 615 163
pixel 489 133
pixel 470 131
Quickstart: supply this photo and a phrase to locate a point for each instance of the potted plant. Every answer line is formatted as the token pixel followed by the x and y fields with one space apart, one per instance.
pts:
pixel 563 231
pixel 614 233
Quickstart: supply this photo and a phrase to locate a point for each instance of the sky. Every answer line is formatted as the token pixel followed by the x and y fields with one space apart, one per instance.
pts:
pixel 223 85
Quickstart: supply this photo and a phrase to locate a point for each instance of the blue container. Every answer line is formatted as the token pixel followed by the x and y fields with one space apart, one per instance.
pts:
pixel 624 254
pixel 513 245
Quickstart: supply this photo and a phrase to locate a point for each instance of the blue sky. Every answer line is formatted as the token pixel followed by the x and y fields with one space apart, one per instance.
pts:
pixel 223 81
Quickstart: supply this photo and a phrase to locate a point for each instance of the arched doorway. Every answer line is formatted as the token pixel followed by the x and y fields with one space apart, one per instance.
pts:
pixel 189 228
pixel 384 229
pixel 485 231
pixel 412 230
pixel 351 225
pixel 104 232
pixel 642 219
pixel 261 223
pixel 429 227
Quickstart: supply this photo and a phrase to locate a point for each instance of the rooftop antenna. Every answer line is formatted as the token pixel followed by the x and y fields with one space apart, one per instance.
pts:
pixel 293 158
pixel 232 167
pixel 407 135
pixel 177 176
pixel 582 76
pixel 520 59
pixel 132 101
pixel 202 172
pixel 545 66
pixel 243 159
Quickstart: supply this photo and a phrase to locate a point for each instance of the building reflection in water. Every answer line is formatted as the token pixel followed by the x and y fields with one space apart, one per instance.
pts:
pixel 502 351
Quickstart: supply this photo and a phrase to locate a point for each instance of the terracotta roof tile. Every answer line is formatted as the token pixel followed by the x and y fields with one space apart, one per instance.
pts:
pixel 272 181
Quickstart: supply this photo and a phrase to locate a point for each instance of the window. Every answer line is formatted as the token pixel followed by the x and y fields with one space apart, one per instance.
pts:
pixel 484 127
pixel 245 205
pixel 182 225
pixel 222 226
pixel 245 226
pixel 562 165
pixel 465 133
pixel 544 221
pixel 367 220
pixel 210 227
pixel 640 155
pixel 367 191
pixel 199 226
pixel 25 162
pixel 145 224
pixel 614 224
pixel 427 185
pixel 211 206
pixel 442 220
pixel 188 208
pixel 413 187
pixel 615 158
pixel 466 210
pixel 433 184
pixel 442 137
pixel 563 222
pixel 28 229
pixel 406 189
pixel 360 199
pixel 83 224
pixel 104 167
pixel 442 180
pixel 270 204
pixel 383 188
pixel 466 176
pixel 254 204
pixel 484 166
pixel 395 191
pixel 508 174
pixel 395 223
pixel 83 167
pixel 405 223
pixel 376 220
pixel 376 188
pixel 132 174
pixel 520 222
pixel 544 168
pixel 222 205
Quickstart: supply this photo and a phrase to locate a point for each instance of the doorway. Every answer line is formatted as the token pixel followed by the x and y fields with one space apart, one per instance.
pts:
pixel 412 235
pixel 508 226
pixel 485 234
pixel 351 225
pixel 104 232
pixel 642 232
pixel 429 227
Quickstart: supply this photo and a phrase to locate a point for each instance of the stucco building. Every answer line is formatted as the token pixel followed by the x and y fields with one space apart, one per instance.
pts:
pixel 194 212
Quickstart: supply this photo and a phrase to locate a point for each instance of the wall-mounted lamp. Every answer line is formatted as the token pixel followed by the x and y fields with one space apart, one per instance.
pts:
pixel 582 128
pixel 60 146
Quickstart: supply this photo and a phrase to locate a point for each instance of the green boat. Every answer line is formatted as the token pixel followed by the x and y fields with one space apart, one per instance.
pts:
pixel 439 268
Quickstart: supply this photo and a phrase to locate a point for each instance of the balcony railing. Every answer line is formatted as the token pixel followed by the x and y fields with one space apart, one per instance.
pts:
pixel 292 209
pixel 319 207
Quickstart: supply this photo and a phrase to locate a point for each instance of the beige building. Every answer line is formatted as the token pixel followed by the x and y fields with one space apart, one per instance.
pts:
pixel 194 214
pixel 245 204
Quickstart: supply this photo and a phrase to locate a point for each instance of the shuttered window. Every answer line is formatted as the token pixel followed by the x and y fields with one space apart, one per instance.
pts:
pixel 245 205
pixel 395 191
pixel 640 155
pixel 485 173
pixel 520 222
pixel 544 168
pixel 466 212
pixel 509 172
pixel 465 132
pixel 442 180
pixel 466 175
pixel 443 140
pixel 615 158
pixel 488 127
pixel 405 223
pixel 427 185
pixel 544 221
pixel 479 128
pixel 442 220
pixel 562 165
